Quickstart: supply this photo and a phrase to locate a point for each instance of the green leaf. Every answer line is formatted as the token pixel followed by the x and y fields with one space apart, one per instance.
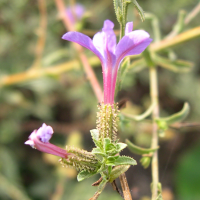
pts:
pixel 111 160
pixel 139 9
pixel 117 171
pixel 138 150
pixel 109 169
pixel 110 148
pixel 155 26
pixel 143 115
pixel 97 151
pixel 107 141
pixel 173 65
pixel 95 134
pixel 118 10
pixel 179 25
pixel 95 137
pixel 120 146
pixel 85 174
pixel 121 160
pixel 162 122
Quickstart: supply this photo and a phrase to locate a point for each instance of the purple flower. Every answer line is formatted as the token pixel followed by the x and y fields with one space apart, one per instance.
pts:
pixel 75 13
pixel 39 139
pixel 110 53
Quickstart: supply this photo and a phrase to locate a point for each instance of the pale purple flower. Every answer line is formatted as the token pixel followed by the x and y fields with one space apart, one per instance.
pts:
pixel 110 53
pixel 75 12
pixel 39 139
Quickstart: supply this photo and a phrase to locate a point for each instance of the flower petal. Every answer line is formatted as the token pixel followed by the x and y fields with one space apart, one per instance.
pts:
pixel 129 27
pixel 133 43
pixel 75 12
pixel 105 40
pixel 45 133
pixel 83 40
pixel 35 142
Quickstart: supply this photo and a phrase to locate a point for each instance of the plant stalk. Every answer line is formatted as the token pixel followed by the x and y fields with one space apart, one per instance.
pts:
pixel 88 69
pixel 125 187
pixel 154 142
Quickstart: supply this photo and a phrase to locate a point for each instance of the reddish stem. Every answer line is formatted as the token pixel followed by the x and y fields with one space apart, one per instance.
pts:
pixel 88 69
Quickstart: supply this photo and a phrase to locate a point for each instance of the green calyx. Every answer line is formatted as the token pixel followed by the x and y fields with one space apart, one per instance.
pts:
pixel 107 121
pixel 104 159
pixel 81 160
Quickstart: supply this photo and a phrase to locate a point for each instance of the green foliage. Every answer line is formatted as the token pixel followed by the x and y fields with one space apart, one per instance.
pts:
pixel 188 169
pixel 163 123
pixel 117 171
pixel 84 174
pixel 138 150
pixel 66 101
pixel 139 9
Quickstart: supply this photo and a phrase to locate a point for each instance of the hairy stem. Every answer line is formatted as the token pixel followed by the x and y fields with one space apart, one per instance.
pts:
pixel 154 143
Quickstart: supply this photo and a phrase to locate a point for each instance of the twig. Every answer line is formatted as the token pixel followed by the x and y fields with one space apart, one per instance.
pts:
pixel 192 14
pixel 41 34
pixel 185 124
pixel 39 72
pixel 114 186
pixel 58 69
pixel 125 187
pixel 154 143
pixel 88 69
pixel 180 38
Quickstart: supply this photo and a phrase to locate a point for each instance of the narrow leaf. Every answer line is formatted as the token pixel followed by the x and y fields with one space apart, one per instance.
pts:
pixel 177 116
pixel 138 150
pixel 142 116
pixel 173 65
pixel 179 25
pixel 139 9
pixel 155 26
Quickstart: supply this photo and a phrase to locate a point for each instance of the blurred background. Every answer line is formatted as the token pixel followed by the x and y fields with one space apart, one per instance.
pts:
pixel 42 80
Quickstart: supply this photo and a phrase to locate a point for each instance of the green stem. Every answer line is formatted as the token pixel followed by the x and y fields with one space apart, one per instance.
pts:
pixel 122 31
pixel 154 142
